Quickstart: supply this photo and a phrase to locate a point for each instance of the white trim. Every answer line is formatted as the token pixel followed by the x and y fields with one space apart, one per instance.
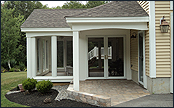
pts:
pixel 55 79
pixel 171 29
pixel 111 25
pixel 144 63
pixel 54 55
pixel 106 78
pixel 144 83
pixel 108 19
pixel 171 5
pixel 29 73
pixel 152 40
pixel 45 29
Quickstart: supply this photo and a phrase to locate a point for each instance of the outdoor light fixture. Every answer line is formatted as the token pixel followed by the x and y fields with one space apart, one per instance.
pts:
pixel 164 25
pixel 134 35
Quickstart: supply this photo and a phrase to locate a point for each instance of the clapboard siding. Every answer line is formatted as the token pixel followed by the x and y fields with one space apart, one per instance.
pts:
pixel 134 51
pixel 163 40
pixel 147 51
pixel 144 5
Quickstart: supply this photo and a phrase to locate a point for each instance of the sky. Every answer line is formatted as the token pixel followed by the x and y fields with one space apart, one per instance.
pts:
pixel 55 3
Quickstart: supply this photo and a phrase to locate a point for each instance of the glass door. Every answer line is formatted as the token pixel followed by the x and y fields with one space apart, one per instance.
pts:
pixel 105 57
pixel 96 57
pixel 115 57
pixel 140 57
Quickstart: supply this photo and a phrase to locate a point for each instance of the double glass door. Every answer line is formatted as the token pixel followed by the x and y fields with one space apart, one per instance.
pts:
pixel 105 57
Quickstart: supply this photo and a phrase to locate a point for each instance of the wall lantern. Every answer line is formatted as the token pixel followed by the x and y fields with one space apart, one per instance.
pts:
pixel 134 35
pixel 164 25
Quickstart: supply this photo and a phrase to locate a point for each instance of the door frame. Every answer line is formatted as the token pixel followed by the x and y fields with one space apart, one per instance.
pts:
pixel 105 37
pixel 144 75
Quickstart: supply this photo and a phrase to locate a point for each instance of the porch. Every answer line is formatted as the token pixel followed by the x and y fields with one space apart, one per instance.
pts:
pixel 118 91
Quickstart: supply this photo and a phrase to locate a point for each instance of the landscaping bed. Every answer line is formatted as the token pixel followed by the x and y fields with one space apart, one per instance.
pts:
pixel 36 99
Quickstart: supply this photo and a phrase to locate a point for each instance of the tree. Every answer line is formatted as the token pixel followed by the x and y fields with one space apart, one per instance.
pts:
pixel 24 8
pixel 10 30
pixel 58 7
pixel 91 4
pixel 73 5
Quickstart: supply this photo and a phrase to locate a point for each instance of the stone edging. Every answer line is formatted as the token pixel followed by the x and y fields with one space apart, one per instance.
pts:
pixel 92 99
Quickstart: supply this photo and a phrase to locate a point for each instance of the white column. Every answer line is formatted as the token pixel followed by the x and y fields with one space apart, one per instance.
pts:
pixel 127 53
pixel 171 29
pixel 152 42
pixel 76 60
pixel 29 74
pixel 54 55
pixel 34 57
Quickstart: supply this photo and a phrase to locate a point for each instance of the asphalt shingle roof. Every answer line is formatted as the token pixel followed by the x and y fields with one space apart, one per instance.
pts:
pixel 55 18
pixel 114 9
pixel 49 18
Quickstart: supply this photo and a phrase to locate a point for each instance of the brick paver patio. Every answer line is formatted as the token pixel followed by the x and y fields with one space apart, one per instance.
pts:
pixel 119 90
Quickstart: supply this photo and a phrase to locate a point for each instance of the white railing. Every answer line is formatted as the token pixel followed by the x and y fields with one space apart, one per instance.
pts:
pixel 94 53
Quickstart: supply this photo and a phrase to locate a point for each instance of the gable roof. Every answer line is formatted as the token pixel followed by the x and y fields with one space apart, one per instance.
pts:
pixel 114 9
pixel 49 18
pixel 55 18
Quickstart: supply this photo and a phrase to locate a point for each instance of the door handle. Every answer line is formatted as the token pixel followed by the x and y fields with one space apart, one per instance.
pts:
pixel 106 56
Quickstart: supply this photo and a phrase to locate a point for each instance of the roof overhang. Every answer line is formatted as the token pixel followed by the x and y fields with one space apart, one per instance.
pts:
pixel 106 20
pixel 78 24
pixel 45 29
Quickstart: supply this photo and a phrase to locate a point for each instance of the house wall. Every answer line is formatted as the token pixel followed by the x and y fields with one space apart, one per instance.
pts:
pixel 163 40
pixel 134 51
pixel 147 51
pixel 134 56
pixel 163 82
pixel 102 32
pixel 145 6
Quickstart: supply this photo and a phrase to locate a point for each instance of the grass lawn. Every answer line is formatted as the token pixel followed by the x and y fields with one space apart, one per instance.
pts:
pixel 10 80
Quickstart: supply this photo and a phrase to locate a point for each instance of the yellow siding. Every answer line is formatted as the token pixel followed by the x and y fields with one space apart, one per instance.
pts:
pixel 144 5
pixel 134 51
pixel 163 41
pixel 147 51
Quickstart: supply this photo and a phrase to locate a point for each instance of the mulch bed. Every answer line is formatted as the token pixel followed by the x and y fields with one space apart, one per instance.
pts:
pixel 35 99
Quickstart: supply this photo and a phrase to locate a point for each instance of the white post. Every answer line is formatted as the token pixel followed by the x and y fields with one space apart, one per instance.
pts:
pixel 34 57
pixel 54 55
pixel 171 79
pixel 29 74
pixel 152 42
pixel 76 60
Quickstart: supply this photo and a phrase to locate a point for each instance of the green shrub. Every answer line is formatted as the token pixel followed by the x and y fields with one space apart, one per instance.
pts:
pixel 4 64
pixel 29 84
pixel 44 86
pixel 11 70
pixel 21 66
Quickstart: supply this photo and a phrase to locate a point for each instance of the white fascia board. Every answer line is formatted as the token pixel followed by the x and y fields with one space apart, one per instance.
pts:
pixel 44 29
pixel 108 19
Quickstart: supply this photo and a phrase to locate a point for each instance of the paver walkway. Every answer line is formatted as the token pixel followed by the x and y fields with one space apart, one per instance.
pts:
pixel 119 90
